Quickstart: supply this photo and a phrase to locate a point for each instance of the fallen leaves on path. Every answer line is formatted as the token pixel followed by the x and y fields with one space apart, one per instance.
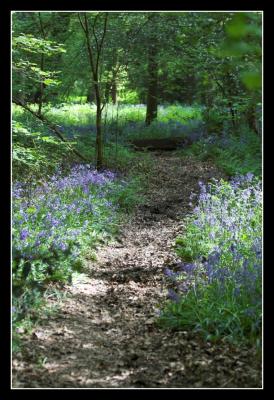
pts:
pixel 105 334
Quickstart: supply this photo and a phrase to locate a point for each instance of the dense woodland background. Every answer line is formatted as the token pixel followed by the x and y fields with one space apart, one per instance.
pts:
pixel 209 60
pixel 92 94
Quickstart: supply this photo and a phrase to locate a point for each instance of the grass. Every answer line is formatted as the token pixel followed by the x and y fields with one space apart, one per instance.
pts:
pixel 30 307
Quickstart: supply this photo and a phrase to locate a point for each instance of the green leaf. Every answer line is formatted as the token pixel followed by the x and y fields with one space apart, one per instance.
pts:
pixel 252 79
pixel 237 28
pixel 49 139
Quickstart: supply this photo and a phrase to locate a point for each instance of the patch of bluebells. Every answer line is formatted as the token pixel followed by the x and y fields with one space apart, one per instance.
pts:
pixel 229 212
pixel 182 280
pixel 61 214
pixel 224 240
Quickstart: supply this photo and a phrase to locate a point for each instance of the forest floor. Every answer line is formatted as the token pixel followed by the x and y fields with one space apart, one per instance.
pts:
pixel 105 334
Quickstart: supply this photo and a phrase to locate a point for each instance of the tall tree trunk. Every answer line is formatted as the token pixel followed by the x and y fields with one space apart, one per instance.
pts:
pixel 114 92
pixel 90 95
pixel 152 101
pixel 107 91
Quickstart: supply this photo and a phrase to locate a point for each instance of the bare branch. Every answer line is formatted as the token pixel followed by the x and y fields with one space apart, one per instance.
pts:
pixel 41 26
pixel 94 32
pixel 101 42
pixel 81 22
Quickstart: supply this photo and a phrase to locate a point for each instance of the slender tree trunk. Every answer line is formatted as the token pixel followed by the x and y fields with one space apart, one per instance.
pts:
pixel 94 59
pixel 232 113
pixel 152 102
pixel 99 140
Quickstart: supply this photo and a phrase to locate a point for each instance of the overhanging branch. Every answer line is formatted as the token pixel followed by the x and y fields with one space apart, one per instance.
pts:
pixel 50 125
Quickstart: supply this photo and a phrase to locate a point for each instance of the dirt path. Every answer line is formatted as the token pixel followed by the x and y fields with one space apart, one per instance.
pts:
pixel 105 334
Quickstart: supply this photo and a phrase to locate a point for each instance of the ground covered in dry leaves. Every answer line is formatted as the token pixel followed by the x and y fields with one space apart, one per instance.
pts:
pixel 105 334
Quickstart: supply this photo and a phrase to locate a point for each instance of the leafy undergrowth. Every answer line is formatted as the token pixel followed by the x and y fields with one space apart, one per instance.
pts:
pixel 235 154
pixel 105 335
pixel 35 148
pixel 119 122
pixel 216 290
pixel 84 114
pixel 57 224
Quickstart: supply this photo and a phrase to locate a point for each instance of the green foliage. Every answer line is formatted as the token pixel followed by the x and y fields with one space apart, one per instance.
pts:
pixel 252 79
pixel 222 239
pixel 244 34
pixel 73 114
pixel 29 307
pixel 129 97
pixel 235 154
pixel 57 222
pixel 207 59
pixel 122 158
pixel 35 151
pixel 179 113
pixel 31 44
pixel 201 238
pixel 27 70
pixel 216 315
pixel 117 118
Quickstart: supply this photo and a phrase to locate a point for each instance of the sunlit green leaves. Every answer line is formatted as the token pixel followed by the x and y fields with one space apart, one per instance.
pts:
pixel 235 49
pixel 243 24
pixel 31 44
pixel 237 28
pixel 52 82
pixel 252 79
pixel 29 56
pixel 28 156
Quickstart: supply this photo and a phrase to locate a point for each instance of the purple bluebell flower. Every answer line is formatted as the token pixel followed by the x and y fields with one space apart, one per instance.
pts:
pixel 190 268
pixel 24 234
pixel 172 295
pixel 63 246
pixel 170 273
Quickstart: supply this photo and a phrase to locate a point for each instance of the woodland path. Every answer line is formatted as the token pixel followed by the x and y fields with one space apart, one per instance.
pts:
pixel 105 335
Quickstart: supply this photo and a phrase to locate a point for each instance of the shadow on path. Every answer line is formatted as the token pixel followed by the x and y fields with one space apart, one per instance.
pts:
pixel 106 335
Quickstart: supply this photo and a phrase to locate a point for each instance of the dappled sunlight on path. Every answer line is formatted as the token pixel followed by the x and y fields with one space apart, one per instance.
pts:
pixel 105 334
